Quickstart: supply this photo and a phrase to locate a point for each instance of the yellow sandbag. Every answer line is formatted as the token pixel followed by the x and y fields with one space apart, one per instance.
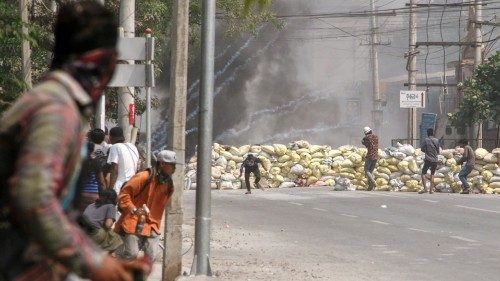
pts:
pixel 392 168
pixel 495 185
pixel 317 154
pixel 448 153
pixel 490 158
pixel 244 149
pixel 496 190
pixel 438 180
pixel 266 163
pixel 284 158
pixel 285 170
pixel 405 178
pixel 305 156
pixel 289 164
pixel 216 147
pixel 355 158
pixel 392 161
pixel 311 180
pixel 412 184
pixel 384 170
pixel 330 182
pixel 255 149
pixel 307 172
pixel 319 160
pixel 302 150
pixel 347 175
pixel 346 163
pixel 382 162
pixel 315 148
pixel 362 152
pixel 329 172
pixel 336 164
pixel 234 151
pixel 280 149
pixel 239 159
pixel 381 181
pixel 294 157
pixel 348 170
pixel 268 149
pixel 412 165
pixel 487 175
pixel 324 168
pixel 275 171
pixel 473 174
pixel 451 162
pixel 226 154
pixel 334 153
pixel 231 164
pixel 480 153
pixel 305 163
pixel 314 165
pixel 490 167
pixel 317 173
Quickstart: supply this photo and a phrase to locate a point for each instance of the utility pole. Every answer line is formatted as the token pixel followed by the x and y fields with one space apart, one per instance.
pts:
pixel 126 94
pixel 100 112
pixel 26 51
pixel 376 112
pixel 172 256
pixel 412 72
pixel 478 56
pixel 201 261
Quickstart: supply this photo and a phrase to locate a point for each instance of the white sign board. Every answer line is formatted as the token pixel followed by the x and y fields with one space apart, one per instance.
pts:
pixel 412 99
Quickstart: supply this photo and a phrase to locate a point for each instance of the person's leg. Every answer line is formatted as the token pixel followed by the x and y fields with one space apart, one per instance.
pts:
pixel 463 177
pixel 433 171
pixel 369 166
pixel 130 247
pixel 151 246
pixel 257 179
pixel 424 174
pixel 247 182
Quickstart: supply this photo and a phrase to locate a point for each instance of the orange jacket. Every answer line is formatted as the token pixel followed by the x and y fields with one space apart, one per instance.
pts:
pixel 154 195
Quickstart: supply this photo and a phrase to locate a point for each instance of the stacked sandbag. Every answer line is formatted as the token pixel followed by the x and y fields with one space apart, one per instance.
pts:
pixel 300 163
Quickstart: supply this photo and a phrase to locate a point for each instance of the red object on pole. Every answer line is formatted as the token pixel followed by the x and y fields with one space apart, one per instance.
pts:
pixel 131 114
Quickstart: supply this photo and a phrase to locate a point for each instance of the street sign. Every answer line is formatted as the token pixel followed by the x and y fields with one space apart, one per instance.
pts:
pixel 428 121
pixel 412 99
pixel 133 75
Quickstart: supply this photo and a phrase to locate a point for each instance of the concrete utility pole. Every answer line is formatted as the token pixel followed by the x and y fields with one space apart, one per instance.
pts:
pixel 172 257
pixel 126 94
pixel 26 51
pixel 478 57
pixel 376 112
pixel 100 113
pixel 412 73
pixel 201 262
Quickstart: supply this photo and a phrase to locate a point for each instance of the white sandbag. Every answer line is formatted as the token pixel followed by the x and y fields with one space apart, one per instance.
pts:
pixel 221 161
pixel 244 149
pixel 407 149
pixel 297 169
pixel 395 175
pixel 227 177
pixel 444 188
pixel 343 184
pixel 396 184
pixel 480 153
pixel 287 184
pixel 490 158
pixel 448 153
pixel 226 185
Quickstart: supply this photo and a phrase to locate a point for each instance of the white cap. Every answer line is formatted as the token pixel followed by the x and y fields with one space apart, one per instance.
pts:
pixel 367 130
pixel 166 156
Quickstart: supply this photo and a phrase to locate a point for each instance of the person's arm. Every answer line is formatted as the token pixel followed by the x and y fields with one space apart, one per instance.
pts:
pixel 130 190
pixel 113 175
pixel 48 142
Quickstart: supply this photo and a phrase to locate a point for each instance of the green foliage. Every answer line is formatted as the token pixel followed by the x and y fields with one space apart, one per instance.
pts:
pixel 154 14
pixel 481 96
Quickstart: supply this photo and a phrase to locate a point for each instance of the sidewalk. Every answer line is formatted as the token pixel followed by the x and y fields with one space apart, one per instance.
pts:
pixel 156 275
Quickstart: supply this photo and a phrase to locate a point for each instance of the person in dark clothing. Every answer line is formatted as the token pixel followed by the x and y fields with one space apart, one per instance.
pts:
pixel 251 165
pixel 430 147
pixel 469 158
pixel 371 142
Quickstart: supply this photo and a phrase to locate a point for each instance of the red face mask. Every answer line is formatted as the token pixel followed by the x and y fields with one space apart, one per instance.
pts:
pixel 100 63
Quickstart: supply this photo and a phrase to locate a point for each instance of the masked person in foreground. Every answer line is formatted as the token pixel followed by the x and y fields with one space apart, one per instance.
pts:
pixel 41 137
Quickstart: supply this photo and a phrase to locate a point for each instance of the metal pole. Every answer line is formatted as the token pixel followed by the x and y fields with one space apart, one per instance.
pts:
pixel 148 114
pixel 478 58
pixel 26 50
pixel 412 73
pixel 126 94
pixel 375 77
pixel 205 124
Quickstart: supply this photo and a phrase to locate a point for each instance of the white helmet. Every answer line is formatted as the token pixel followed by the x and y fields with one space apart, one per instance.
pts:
pixel 367 130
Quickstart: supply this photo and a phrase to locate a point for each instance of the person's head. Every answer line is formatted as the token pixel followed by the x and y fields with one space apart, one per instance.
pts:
pixel 108 196
pixel 367 130
pixel 166 160
pixel 96 135
pixel 463 142
pixel 430 132
pixel 116 135
pixel 250 156
pixel 85 44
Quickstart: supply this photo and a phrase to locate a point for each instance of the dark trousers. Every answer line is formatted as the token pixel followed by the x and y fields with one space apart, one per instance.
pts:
pixel 256 173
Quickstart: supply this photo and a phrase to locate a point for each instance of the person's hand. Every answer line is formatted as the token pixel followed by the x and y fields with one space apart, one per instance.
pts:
pixel 112 269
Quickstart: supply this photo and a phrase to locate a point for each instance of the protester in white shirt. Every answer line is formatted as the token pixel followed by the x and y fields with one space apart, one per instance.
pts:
pixel 123 158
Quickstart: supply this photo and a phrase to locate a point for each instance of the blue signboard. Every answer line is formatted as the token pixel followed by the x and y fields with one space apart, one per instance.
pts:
pixel 428 121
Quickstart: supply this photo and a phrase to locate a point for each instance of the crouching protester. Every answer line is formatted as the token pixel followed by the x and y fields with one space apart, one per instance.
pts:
pixel 142 201
pixel 99 218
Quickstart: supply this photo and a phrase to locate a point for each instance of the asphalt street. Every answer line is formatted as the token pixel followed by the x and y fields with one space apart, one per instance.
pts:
pixel 368 235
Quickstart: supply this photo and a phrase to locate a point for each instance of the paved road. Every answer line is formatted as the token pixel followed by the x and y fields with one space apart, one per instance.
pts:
pixel 370 235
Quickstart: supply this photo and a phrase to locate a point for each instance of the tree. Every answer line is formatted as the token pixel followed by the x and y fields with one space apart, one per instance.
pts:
pixel 481 96
pixel 154 14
